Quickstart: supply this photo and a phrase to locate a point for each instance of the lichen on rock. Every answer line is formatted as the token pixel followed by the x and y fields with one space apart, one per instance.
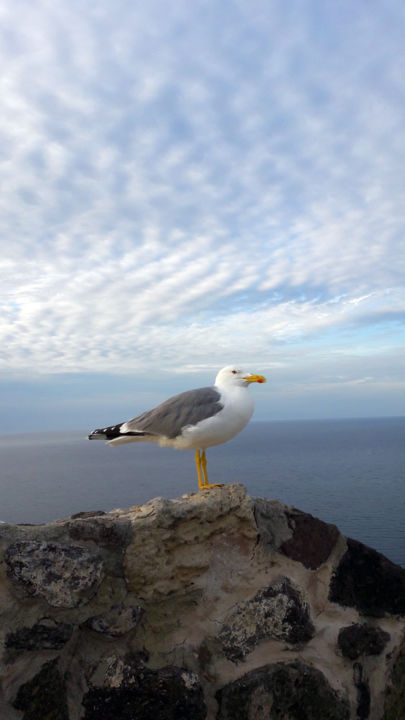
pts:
pixel 135 691
pixel 46 634
pixel 117 621
pixel 275 612
pixel 63 575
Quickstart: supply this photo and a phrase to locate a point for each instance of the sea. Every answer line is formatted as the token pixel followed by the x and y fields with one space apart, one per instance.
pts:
pixel 347 472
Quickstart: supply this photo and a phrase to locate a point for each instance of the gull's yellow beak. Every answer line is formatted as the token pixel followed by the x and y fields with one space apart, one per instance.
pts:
pixel 254 378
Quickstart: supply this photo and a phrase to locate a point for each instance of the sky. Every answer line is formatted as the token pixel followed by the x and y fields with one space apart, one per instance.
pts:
pixel 195 184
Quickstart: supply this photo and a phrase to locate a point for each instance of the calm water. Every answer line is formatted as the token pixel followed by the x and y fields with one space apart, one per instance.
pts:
pixel 348 472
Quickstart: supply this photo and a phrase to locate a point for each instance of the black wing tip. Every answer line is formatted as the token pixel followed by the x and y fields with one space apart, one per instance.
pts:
pixel 97 435
pixel 112 432
pixel 107 433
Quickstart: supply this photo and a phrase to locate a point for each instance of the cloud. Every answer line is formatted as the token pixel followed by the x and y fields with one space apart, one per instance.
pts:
pixel 182 187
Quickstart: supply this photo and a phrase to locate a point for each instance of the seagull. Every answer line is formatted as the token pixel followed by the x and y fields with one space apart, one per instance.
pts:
pixel 195 419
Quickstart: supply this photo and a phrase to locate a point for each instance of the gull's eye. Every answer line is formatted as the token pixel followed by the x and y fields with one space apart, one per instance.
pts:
pixel 234 372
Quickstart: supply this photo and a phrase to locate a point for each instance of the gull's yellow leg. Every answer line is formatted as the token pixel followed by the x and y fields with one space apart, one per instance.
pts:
pixel 198 463
pixel 204 468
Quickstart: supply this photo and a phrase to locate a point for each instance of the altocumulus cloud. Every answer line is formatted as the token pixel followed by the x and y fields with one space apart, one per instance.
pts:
pixel 187 183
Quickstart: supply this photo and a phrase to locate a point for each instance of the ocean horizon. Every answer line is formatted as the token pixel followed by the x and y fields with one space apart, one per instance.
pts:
pixel 347 472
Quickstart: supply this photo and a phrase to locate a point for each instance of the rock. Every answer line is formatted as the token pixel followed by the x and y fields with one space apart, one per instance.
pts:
pixel 312 541
pixel 394 705
pixel 366 580
pixel 272 523
pixel 176 541
pixel 356 640
pixel 149 612
pixel 276 612
pixel 117 621
pixel 293 691
pixel 104 530
pixel 88 514
pixel 133 691
pixel 47 634
pixel 363 693
pixel 63 575
pixel 44 697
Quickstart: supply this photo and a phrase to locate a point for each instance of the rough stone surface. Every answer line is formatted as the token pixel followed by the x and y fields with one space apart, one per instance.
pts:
pixel 47 634
pixel 363 692
pixel 312 541
pixel 199 607
pixel 117 621
pixel 138 693
pixel 272 523
pixel 366 580
pixel 105 531
pixel 44 697
pixel 88 514
pixel 63 575
pixel 276 612
pixel 357 639
pixel 291 691
pixel 394 706
pixel 174 542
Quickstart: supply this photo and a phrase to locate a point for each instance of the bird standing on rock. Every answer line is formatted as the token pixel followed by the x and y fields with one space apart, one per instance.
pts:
pixel 195 419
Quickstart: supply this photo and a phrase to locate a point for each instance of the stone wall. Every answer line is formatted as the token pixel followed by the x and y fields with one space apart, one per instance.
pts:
pixel 211 606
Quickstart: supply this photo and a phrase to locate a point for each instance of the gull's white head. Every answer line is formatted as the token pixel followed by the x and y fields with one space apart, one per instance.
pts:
pixel 231 376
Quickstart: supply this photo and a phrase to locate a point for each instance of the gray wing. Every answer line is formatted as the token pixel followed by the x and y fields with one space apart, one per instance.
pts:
pixel 171 416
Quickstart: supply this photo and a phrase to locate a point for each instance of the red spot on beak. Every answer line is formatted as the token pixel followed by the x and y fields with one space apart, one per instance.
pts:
pixel 260 381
